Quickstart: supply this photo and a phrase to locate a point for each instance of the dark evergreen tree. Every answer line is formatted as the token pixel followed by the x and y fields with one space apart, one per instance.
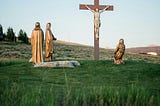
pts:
pixel 11 35
pixel 1 33
pixel 22 36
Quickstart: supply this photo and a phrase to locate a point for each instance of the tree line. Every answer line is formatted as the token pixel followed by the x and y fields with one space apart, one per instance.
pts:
pixel 11 37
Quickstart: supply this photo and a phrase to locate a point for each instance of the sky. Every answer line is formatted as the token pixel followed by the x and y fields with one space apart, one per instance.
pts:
pixel 136 21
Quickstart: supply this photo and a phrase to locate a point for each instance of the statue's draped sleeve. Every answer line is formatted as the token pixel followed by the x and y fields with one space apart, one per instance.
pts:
pixel 49 42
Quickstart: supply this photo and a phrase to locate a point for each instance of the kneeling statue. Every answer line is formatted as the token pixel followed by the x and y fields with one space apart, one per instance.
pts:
pixel 119 53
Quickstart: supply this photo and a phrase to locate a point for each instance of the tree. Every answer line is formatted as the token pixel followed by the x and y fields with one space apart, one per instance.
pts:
pixel 26 38
pixel 4 36
pixel 1 33
pixel 23 36
pixel 20 35
pixel 11 35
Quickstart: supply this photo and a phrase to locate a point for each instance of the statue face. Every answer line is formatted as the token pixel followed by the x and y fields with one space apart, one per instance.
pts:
pixel 48 26
pixel 37 25
pixel 121 41
pixel 97 10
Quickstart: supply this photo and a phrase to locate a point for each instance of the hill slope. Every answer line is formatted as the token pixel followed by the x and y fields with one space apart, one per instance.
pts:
pixel 67 51
pixel 144 49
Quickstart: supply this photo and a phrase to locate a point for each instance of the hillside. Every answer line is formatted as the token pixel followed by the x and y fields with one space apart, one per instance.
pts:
pixel 144 49
pixel 68 51
pixel 139 50
pixel 68 43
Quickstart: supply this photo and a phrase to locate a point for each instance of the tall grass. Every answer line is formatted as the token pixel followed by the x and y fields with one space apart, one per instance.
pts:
pixel 21 95
pixel 94 83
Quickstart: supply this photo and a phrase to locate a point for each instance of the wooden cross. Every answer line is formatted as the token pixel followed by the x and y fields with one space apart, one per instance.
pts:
pixel 94 7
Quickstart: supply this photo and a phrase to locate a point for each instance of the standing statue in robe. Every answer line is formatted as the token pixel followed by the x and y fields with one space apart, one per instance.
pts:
pixel 37 39
pixel 49 37
pixel 119 53
pixel 97 22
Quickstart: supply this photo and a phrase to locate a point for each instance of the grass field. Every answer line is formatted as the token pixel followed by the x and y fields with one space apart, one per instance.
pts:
pixel 94 83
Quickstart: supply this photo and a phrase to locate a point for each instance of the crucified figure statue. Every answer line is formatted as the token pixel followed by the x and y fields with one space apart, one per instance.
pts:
pixel 97 22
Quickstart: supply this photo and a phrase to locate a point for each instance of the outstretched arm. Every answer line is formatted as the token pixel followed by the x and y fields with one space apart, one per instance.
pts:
pixel 89 9
pixel 104 9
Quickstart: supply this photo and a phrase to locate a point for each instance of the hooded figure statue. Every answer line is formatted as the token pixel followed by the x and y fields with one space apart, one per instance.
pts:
pixel 37 38
pixel 119 53
pixel 49 37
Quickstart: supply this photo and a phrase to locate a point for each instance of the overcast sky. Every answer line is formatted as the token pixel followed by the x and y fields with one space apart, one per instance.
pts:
pixel 137 21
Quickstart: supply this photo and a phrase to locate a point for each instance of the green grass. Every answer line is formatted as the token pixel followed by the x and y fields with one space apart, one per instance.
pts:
pixel 93 83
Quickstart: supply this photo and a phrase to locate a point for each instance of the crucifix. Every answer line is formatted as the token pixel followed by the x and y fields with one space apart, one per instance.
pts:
pixel 97 10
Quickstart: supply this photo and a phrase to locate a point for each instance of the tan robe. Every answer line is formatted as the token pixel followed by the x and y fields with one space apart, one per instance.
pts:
pixel 37 38
pixel 49 44
pixel 119 54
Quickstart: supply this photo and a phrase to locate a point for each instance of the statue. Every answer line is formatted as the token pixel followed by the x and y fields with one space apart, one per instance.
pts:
pixel 97 22
pixel 49 37
pixel 37 39
pixel 119 53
